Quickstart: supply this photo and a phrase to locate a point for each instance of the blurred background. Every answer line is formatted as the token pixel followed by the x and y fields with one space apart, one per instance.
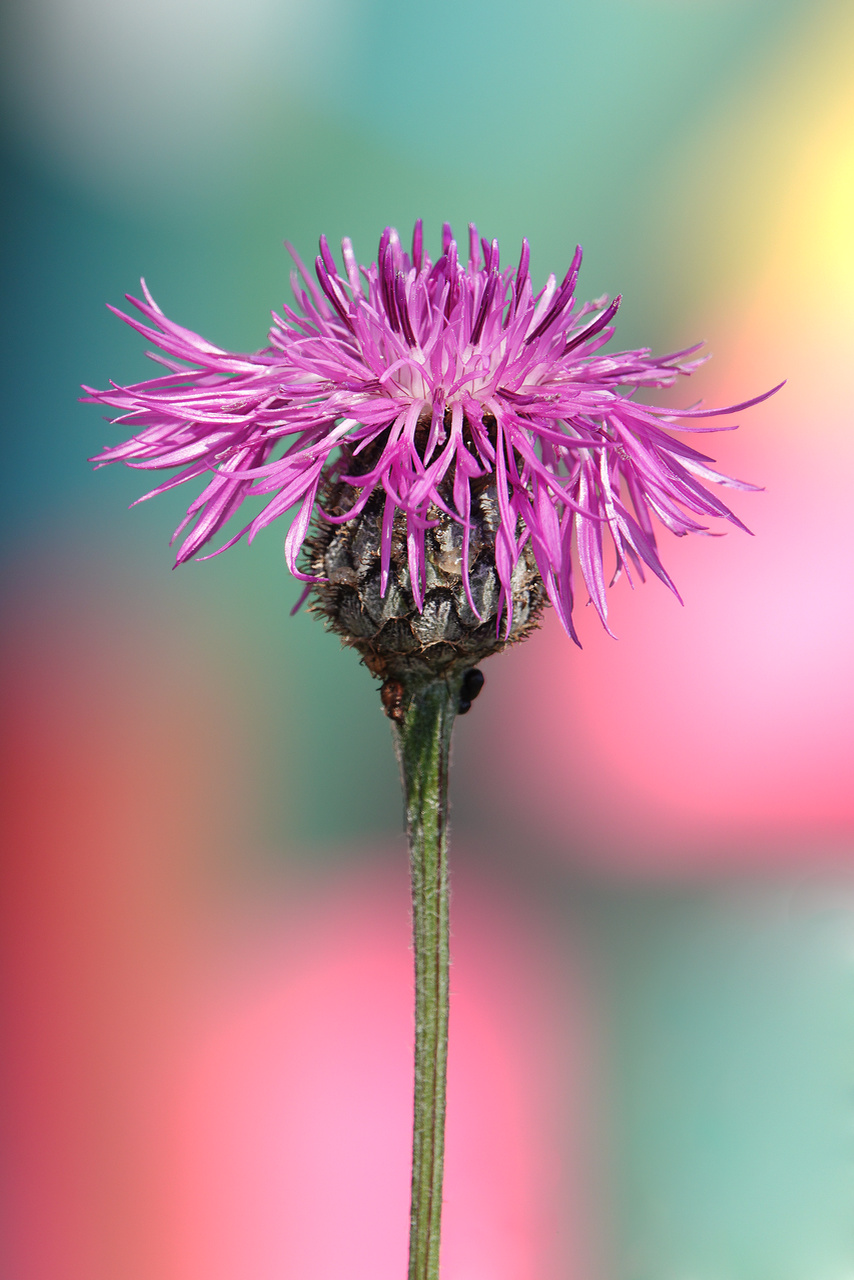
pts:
pixel 206 922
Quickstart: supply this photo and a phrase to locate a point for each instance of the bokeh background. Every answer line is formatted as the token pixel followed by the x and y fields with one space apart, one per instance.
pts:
pixel 206 931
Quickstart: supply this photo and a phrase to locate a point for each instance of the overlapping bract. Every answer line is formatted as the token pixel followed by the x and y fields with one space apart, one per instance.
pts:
pixel 422 378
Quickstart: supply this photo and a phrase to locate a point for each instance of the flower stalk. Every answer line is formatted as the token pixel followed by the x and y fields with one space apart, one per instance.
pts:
pixel 422 740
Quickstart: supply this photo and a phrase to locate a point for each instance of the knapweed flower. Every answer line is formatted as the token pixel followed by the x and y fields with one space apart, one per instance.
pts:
pixel 450 441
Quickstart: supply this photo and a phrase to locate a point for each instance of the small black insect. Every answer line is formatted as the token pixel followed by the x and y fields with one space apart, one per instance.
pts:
pixel 391 696
pixel 473 682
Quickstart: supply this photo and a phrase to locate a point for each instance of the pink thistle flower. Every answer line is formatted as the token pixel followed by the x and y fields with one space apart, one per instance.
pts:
pixel 440 374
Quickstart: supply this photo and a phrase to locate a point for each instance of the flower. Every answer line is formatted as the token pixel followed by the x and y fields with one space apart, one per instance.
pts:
pixel 413 382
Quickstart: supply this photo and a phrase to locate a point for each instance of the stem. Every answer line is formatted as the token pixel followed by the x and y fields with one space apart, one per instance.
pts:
pixel 423 742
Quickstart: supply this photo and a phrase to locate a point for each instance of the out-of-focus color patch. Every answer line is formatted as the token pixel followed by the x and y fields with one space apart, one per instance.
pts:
pixel 121 779
pixel 152 99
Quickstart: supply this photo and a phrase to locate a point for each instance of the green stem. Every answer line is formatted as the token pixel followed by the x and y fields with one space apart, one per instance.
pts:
pixel 423 742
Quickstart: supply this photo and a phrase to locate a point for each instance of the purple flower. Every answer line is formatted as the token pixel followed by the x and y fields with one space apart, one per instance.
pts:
pixel 437 374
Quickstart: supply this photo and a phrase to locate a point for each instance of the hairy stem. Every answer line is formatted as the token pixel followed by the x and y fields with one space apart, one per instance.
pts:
pixel 422 741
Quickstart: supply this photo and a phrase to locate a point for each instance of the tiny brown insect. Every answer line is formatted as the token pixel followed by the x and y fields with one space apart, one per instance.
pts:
pixel 391 695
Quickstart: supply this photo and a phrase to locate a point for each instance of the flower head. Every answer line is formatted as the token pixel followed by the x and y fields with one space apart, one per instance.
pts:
pixel 413 385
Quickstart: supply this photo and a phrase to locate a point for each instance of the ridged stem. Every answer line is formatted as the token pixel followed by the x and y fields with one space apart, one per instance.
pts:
pixel 423 742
